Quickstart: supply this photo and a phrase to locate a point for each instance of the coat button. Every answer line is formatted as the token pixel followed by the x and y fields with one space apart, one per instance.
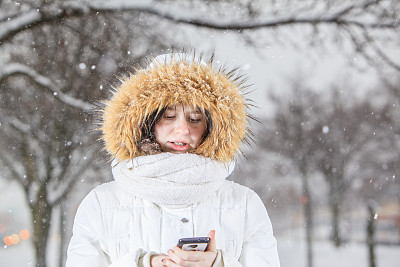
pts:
pixel 184 220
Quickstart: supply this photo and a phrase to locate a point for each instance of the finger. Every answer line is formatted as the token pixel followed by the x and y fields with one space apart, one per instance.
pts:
pixel 165 260
pixel 184 255
pixel 170 263
pixel 174 257
pixel 186 258
pixel 156 259
pixel 212 246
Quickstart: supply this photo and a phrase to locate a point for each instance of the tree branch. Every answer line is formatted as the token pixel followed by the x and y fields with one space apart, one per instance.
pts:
pixel 18 23
pixel 14 171
pixel 26 129
pixel 34 18
pixel 75 177
pixel 45 82
pixel 379 52
pixel 360 6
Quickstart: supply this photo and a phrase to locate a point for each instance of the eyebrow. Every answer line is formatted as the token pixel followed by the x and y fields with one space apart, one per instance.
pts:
pixel 196 110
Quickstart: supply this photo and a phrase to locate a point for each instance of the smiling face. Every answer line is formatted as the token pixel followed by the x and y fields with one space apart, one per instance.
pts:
pixel 180 129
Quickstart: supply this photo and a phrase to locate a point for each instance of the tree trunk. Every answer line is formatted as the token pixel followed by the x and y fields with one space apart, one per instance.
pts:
pixel 308 220
pixel 336 237
pixel 334 202
pixel 41 216
pixel 335 199
pixel 370 235
pixel 62 235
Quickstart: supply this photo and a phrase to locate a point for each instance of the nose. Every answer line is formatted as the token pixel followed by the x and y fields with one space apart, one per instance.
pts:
pixel 182 126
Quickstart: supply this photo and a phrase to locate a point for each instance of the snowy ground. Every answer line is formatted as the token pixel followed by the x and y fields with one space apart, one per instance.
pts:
pixel 291 252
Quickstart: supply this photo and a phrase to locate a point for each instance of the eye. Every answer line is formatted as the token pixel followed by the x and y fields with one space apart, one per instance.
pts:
pixel 168 116
pixel 194 120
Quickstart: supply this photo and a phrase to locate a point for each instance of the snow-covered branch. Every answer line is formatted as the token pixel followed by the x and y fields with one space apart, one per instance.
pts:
pixel 65 9
pixel 16 172
pixel 322 17
pixel 18 23
pixel 26 129
pixel 45 82
pixel 67 185
pixel 37 16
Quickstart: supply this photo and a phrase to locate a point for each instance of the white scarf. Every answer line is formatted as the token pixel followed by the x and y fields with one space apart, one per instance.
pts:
pixel 173 180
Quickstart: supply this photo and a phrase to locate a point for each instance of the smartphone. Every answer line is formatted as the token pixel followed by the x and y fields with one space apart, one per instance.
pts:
pixel 194 243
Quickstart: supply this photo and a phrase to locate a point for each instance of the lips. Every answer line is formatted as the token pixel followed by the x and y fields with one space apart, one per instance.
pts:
pixel 179 145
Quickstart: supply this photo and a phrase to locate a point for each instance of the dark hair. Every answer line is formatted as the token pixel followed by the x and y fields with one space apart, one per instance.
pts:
pixel 148 139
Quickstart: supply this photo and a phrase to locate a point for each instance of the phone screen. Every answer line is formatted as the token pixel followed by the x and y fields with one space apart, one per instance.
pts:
pixel 194 243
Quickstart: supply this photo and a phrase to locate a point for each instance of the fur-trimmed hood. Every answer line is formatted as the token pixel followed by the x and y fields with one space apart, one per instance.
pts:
pixel 177 79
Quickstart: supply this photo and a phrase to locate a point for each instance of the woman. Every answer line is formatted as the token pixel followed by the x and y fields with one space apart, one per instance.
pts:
pixel 173 130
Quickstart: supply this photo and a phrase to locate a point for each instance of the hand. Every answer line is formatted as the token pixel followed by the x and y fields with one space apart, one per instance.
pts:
pixel 156 260
pixel 182 258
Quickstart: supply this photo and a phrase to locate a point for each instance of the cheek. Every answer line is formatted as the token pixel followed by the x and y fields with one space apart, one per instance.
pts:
pixel 159 131
pixel 199 132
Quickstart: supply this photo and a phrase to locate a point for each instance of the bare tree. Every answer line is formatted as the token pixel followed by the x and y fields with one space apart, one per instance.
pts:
pixel 378 164
pixel 370 26
pixel 290 134
pixel 349 128
pixel 43 157
pixel 48 136
pixel 345 138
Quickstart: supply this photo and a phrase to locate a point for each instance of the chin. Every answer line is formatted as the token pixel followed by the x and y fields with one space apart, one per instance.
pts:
pixel 179 151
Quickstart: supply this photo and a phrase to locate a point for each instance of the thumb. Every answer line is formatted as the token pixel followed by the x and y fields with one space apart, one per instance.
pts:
pixel 212 246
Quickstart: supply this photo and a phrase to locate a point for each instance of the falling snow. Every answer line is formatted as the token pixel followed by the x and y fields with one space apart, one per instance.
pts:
pixel 270 65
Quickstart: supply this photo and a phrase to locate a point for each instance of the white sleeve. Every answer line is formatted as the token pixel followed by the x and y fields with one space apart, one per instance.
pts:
pixel 219 262
pixel 85 247
pixel 259 246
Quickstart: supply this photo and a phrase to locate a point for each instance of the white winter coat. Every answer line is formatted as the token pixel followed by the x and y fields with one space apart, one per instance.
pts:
pixel 114 228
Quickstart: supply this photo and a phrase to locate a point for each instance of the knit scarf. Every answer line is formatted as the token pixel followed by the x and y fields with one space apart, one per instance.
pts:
pixel 173 180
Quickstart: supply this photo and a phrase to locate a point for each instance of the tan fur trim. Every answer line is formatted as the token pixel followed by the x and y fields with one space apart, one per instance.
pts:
pixel 177 82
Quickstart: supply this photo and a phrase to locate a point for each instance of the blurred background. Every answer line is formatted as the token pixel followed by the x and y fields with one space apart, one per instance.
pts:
pixel 326 82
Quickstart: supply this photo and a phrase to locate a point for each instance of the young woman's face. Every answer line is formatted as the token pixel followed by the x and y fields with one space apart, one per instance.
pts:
pixel 180 129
